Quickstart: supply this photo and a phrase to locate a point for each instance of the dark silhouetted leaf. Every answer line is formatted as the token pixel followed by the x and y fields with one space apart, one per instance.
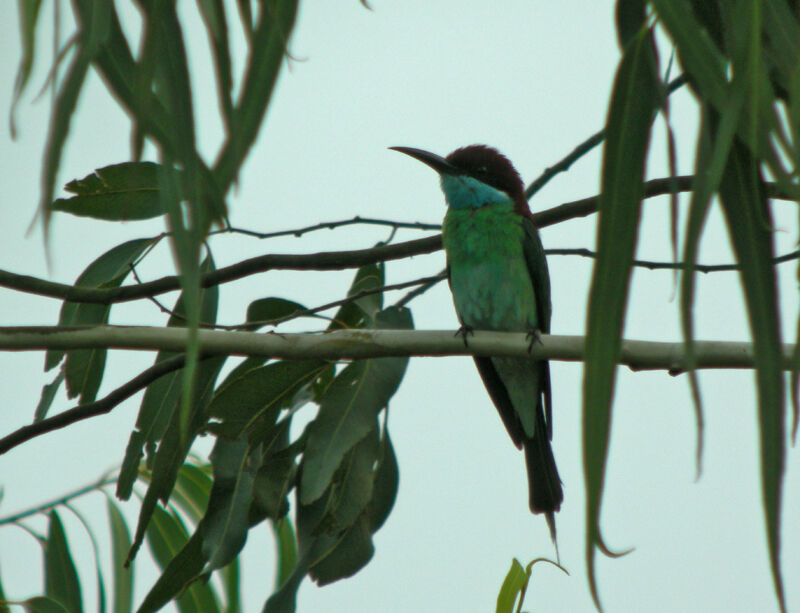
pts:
pixel 161 397
pixel 181 561
pixel 348 409
pixel 264 310
pixel 49 392
pixel 225 525
pixel 259 394
pixel 121 192
pixel 84 367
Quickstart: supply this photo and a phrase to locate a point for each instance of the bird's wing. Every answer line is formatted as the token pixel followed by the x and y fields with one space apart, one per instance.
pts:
pixel 540 277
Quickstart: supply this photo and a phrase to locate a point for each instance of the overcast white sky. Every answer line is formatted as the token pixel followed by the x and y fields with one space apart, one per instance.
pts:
pixel 533 79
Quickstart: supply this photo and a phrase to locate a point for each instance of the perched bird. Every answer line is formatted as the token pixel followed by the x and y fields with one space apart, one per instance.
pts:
pixel 499 281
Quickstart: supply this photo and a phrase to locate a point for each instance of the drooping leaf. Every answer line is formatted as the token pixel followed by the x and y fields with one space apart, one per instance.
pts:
pixel 634 100
pixel 749 224
pixel 267 48
pixel 259 394
pixel 120 544
pixel 28 18
pixel 181 561
pixel 387 479
pixel 225 525
pixel 286 548
pixel 348 409
pixel 49 392
pixel 213 13
pixel 161 397
pixel 192 489
pixel 271 486
pixel 350 554
pixel 84 367
pixel 61 581
pixel 230 581
pixel 120 192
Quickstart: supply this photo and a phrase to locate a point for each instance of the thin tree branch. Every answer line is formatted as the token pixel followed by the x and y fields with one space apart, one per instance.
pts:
pixel 98 407
pixel 331 225
pixel 704 268
pixel 330 260
pixel 369 343
pixel 86 489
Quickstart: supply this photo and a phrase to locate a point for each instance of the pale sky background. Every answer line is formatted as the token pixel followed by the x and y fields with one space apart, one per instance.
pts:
pixel 533 79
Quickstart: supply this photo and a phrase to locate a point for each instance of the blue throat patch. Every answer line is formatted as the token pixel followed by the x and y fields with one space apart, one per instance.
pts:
pixel 462 192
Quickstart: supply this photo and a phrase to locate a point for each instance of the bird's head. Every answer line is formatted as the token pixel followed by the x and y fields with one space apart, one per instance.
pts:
pixel 474 176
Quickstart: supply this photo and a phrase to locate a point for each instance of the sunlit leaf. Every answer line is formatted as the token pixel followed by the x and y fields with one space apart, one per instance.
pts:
pixel 512 585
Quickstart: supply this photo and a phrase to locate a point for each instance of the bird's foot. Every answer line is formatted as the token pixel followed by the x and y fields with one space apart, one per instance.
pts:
pixel 464 332
pixel 533 337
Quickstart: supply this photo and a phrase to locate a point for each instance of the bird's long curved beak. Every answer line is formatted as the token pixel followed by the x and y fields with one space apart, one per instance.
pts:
pixel 437 162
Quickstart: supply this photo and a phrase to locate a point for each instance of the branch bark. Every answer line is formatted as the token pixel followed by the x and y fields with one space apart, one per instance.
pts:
pixel 359 344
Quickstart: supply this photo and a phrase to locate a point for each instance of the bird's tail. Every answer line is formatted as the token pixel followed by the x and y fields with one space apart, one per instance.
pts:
pixel 544 484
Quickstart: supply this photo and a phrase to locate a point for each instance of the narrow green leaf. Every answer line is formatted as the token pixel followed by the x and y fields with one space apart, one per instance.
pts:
pixel 49 392
pixel 28 17
pixel 84 367
pixel 387 479
pixel 353 483
pixel 267 48
pixel 61 581
pixel 120 544
pixel 348 409
pixel 225 525
pixel 161 397
pixel 749 226
pixel 634 100
pixel 230 581
pixel 181 561
pixel 43 604
pixel 515 579
pixel 60 118
pixel 101 584
pixel 192 490
pixel 286 550
pixel 120 192
pixel 698 54
pixel 213 13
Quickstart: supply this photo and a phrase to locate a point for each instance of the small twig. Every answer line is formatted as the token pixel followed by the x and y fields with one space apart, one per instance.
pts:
pixel 331 225
pixel 333 304
pixel 704 268
pixel 86 489
pixel 582 149
pixel 422 289
pixel 98 407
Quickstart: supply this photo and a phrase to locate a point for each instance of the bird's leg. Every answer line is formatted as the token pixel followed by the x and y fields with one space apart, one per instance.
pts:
pixel 533 337
pixel 464 332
